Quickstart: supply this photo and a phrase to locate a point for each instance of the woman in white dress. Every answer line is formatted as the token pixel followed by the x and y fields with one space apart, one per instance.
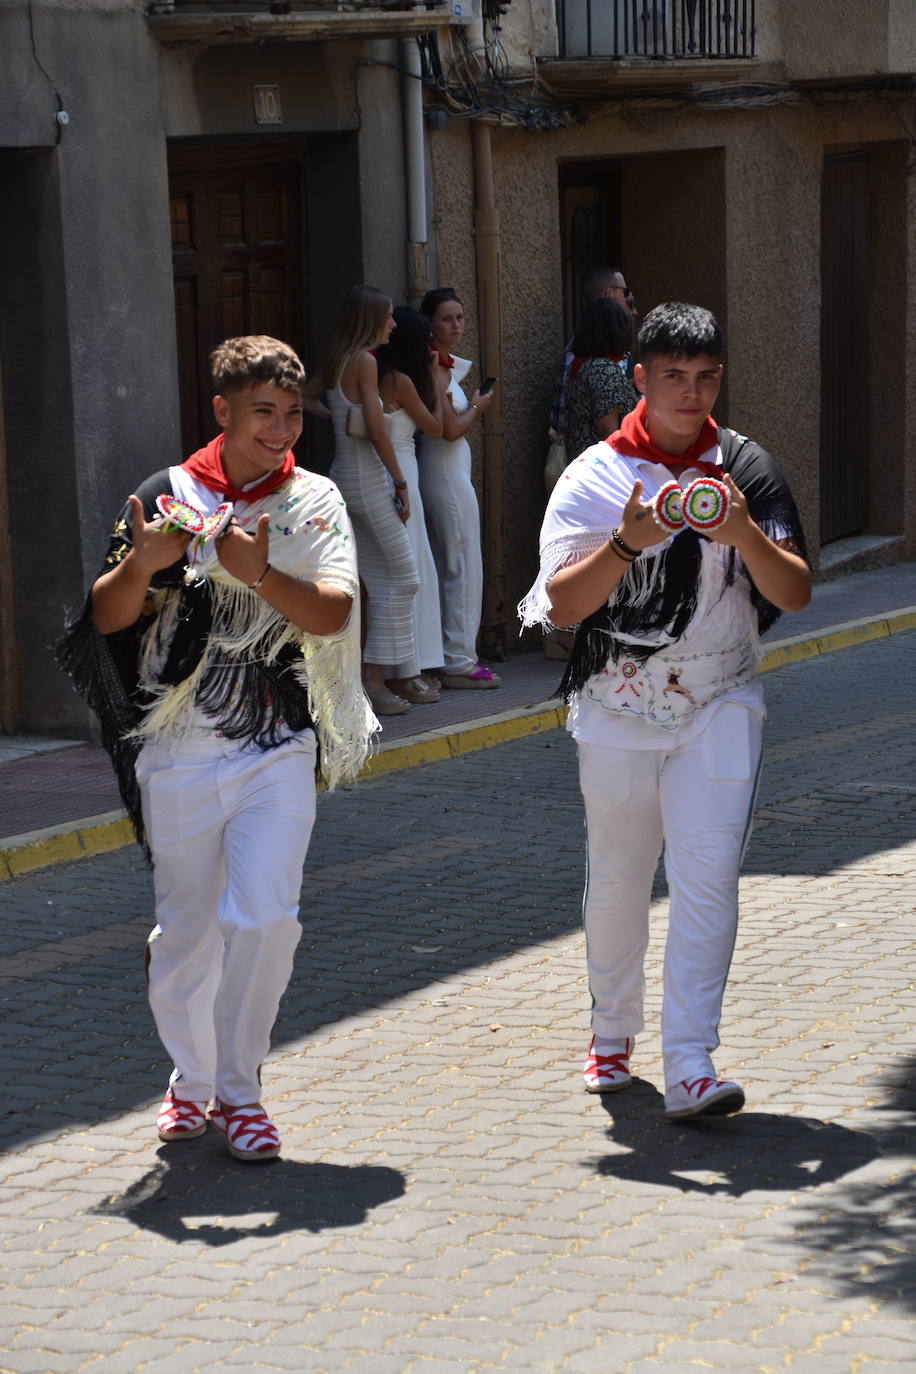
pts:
pixel 411 401
pixel 452 513
pixel 369 475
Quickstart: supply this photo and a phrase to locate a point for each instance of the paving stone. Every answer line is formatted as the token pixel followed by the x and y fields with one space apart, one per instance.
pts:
pixel 464 1205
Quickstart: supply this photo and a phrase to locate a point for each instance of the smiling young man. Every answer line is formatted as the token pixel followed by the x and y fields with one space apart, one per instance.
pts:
pixel 666 706
pixel 218 669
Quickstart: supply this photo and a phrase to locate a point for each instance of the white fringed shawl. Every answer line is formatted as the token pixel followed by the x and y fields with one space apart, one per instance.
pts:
pixel 311 539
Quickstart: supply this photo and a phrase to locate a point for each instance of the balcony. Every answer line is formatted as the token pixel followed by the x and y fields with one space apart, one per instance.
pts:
pixel 624 47
pixel 175 22
pixel 684 30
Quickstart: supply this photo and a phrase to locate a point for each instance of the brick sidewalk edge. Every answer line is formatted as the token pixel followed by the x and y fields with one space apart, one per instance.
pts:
pixel 99 834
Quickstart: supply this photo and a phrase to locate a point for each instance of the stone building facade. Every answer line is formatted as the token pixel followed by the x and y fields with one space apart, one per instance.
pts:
pixel 174 172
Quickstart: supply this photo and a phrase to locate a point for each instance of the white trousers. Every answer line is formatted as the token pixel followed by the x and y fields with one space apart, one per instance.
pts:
pixel 697 800
pixel 453 518
pixel 228 828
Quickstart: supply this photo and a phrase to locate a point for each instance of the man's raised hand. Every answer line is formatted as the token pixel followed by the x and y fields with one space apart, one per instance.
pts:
pixel 737 524
pixel 638 528
pixel 244 555
pixel 154 548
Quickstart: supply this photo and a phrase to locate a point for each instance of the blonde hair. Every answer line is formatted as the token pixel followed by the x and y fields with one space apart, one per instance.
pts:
pixel 360 318
pixel 255 358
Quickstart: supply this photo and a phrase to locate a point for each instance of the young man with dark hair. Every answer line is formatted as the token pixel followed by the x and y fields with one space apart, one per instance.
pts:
pixel 219 647
pixel 666 705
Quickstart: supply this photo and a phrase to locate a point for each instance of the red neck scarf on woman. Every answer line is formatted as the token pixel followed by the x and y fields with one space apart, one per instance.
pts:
pixel 633 440
pixel 583 358
pixel 447 361
pixel 206 466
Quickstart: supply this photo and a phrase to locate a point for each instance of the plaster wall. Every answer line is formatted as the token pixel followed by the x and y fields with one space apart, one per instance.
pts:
pixel 381 160
pixel 773 282
pixel 82 6
pixel 28 102
pixel 901 36
pixel 834 38
pixel 529 31
pixel 209 93
pixel 112 363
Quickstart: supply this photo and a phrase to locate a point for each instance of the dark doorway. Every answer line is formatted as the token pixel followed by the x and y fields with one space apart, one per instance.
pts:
pixel 844 345
pixel 589 227
pixel 237 255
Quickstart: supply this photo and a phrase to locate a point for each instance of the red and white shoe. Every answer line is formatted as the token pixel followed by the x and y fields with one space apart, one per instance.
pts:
pixel 608 1070
pixel 250 1133
pixel 703 1096
pixel 180 1119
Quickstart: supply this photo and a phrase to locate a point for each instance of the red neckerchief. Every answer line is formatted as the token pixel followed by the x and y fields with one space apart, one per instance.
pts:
pixel 447 362
pixel 579 360
pixel 633 440
pixel 206 466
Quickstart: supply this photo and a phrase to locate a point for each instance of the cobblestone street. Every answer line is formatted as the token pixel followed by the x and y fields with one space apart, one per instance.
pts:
pixel 449 1200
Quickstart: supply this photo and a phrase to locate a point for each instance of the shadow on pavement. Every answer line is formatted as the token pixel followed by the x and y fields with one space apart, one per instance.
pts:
pixel 864 1233
pixel 732 1155
pixel 857 1232
pixel 195 1193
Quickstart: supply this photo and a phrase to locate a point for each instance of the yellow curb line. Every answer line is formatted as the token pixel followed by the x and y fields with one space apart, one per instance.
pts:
pixel 58 844
pixel 100 834
pixel 452 741
pixel 842 637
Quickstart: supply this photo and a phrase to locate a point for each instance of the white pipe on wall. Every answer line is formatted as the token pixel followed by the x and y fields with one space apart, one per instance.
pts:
pixel 415 170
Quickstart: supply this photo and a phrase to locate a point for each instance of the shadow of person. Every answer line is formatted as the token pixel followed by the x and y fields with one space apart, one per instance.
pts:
pixel 732 1155
pixel 198 1192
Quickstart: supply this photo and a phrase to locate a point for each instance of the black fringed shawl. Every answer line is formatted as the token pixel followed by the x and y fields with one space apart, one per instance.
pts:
pixel 672 605
pixel 250 701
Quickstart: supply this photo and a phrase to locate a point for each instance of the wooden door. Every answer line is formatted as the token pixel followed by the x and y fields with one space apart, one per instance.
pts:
pixel 237 261
pixel 844 345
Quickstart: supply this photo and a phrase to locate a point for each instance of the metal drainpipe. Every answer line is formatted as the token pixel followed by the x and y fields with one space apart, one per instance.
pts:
pixel 486 239
pixel 415 173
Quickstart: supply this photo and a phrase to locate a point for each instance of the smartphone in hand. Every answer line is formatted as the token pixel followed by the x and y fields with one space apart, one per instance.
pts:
pixel 487 385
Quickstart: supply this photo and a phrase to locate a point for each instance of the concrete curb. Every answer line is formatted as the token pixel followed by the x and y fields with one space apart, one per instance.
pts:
pixel 56 844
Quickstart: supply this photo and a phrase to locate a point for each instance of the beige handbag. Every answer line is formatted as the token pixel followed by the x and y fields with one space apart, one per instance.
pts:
pixel 356 423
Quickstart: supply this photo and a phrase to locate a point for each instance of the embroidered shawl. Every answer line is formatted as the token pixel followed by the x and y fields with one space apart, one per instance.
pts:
pixel 654 602
pixel 207 644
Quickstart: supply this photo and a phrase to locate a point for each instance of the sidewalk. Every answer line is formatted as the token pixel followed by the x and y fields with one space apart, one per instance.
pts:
pixel 58 799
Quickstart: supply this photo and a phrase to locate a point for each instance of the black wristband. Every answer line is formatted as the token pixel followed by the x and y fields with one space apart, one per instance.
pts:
pixel 622 556
pixel 634 553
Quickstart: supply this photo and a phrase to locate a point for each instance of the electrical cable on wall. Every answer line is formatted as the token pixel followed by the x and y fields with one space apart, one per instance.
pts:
pixel 477 82
pixel 61 118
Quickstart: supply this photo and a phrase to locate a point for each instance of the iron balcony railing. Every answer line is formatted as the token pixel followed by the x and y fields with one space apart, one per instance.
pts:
pixel 663 29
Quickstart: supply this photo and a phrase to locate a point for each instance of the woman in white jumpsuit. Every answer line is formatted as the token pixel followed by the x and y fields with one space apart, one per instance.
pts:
pixel 452 513
pixel 412 401
pixel 370 479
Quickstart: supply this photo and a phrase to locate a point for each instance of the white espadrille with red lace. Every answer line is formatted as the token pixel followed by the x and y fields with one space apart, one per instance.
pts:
pixel 250 1133
pixel 607 1069
pixel 704 1095
pixel 180 1119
